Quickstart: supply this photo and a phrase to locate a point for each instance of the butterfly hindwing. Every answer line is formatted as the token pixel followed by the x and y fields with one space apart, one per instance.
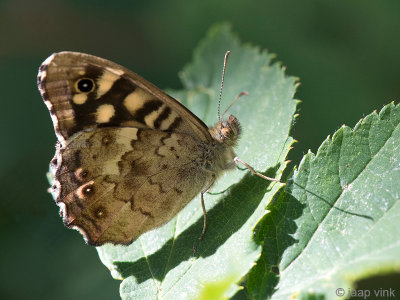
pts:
pixel 116 191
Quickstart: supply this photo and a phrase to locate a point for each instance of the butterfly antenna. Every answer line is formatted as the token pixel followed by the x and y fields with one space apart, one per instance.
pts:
pixel 222 85
pixel 234 101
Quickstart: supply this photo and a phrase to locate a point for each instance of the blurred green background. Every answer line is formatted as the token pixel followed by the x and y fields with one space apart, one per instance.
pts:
pixel 346 54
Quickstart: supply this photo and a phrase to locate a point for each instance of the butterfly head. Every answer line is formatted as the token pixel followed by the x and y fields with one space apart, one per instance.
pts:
pixel 227 131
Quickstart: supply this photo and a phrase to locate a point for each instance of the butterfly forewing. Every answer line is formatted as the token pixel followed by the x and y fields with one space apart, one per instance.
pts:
pixel 83 91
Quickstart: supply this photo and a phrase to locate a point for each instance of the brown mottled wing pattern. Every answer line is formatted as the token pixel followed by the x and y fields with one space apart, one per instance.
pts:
pixel 129 156
pixel 131 181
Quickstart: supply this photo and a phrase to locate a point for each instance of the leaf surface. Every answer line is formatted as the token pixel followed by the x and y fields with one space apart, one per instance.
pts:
pixel 338 220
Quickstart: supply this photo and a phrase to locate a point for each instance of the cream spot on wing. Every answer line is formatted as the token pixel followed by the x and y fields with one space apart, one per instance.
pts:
pixel 125 135
pixel 168 121
pixel 171 142
pixel 105 82
pixel 136 100
pixel 104 113
pixel 115 71
pixel 122 144
pixel 150 118
pixel 111 168
pixel 79 98
pixel 81 72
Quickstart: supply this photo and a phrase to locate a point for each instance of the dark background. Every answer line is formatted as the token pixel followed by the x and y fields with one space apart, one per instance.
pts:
pixel 346 54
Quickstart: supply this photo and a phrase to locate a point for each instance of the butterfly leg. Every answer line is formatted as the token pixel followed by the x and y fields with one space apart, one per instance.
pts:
pixel 204 207
pixel 204 221
pixel 238 160
pixel 204 216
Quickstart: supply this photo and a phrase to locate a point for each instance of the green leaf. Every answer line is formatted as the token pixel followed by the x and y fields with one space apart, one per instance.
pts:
pixel 338 219
pixel 216 290
pixel 162 263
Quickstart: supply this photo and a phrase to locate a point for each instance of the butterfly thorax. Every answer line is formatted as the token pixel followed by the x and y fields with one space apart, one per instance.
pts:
pixel 225 135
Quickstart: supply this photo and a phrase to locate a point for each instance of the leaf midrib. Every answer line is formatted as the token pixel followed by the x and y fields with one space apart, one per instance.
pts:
pixel 341 193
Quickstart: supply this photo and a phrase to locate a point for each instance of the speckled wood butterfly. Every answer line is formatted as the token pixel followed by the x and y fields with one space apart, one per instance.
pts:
pixel 129 157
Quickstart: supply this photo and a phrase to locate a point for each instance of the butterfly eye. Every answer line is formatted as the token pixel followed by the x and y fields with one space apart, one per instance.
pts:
pixel 85 85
